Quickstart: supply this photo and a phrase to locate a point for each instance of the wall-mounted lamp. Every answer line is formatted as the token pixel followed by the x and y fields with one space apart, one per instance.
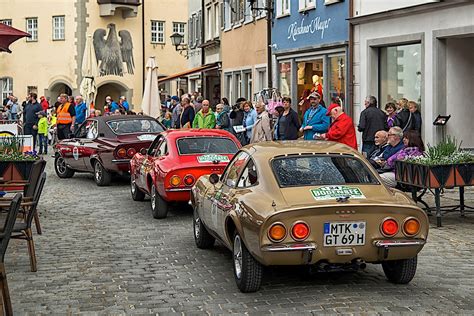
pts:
pixel 176 40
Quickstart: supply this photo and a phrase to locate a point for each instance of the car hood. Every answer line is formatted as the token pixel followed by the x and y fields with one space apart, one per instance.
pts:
pixel 340 195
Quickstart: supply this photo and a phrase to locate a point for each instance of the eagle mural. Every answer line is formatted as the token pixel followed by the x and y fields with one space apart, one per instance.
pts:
pixel 112 53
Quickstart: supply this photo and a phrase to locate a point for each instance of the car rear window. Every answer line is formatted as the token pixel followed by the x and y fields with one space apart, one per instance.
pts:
pixel 206 145
pixel 321 170
pixel 120 127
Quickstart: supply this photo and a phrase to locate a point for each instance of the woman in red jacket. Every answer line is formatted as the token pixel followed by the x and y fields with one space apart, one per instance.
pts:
pixel 341 129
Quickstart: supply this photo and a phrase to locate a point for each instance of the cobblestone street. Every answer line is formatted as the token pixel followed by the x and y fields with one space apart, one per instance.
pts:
pixel 103 253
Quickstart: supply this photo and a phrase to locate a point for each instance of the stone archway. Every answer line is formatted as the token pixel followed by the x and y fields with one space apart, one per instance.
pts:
pixel 56 88
pixel 114 89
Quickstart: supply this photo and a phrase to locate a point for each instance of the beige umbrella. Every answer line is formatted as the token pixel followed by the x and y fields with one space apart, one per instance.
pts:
pixel 89 71
pixel 151 97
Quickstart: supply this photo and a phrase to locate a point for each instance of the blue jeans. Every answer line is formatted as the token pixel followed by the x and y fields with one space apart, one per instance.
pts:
pixel 368 147
pixel 43 143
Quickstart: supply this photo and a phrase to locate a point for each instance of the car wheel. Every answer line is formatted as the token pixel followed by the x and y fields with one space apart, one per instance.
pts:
pixel 137 195
pixel 61 168
pixel 101 176
pixel 247 271
pixel 400 271
pixel 202 237
pixel 159 207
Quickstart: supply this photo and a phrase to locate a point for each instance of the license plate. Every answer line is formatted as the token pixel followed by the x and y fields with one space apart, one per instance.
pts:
pixel 344 234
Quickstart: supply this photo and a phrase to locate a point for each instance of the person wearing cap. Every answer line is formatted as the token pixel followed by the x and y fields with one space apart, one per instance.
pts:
pixel 341 129
pixel 315 119
pixel 43 133
pixel 123 104
pixel 111 104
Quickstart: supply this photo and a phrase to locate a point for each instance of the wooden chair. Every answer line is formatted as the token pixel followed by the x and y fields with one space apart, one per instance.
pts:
pixel 22 230
pixel 29 187
pixel 4 240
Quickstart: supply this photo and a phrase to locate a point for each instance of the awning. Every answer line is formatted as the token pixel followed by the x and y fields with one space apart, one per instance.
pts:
pixel 8 35
pixel 190 71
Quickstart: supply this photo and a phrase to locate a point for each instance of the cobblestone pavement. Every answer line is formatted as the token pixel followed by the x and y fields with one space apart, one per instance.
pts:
pixel 102 253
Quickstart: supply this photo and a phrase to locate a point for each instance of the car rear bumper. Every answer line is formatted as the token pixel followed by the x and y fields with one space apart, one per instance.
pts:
pixel 120 165
pixel 177 194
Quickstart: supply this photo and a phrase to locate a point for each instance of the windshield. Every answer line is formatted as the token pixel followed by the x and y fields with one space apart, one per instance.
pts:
pixel 206 145
pixel 321 170
pixel 134 126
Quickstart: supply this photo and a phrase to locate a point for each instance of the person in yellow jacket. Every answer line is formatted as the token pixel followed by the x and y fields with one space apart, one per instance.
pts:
pixel 52 127
pixel 205 118
pixel 43 133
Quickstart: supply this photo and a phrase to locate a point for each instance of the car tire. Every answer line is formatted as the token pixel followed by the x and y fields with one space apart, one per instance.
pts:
pixel 61 168
pixel 247 271
pixel 400 271
pixel 101 176
pixel 203 239
pixel 137 194
pixel 159 207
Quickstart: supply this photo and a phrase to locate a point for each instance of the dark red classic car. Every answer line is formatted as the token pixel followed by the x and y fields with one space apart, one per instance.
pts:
pixel 104 145
pixel 174 162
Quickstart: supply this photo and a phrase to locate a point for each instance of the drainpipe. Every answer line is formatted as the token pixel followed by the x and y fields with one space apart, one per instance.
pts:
pixel 269 43
pixel 203 56
pixel 350 74
pixel 143 46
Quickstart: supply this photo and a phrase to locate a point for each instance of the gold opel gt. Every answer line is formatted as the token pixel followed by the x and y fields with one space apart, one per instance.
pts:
pixel 307 203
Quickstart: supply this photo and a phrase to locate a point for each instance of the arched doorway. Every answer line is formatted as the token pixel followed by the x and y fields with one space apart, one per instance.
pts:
pixel 58 88
pixel 113 89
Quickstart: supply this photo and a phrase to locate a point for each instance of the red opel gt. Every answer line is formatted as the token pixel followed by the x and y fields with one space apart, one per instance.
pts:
pixel 174 162
pixel 104 145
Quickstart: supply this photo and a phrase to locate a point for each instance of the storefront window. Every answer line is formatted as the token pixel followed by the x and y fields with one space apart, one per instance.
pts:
pixel 310 78
pixel 400 73
pixel 337 78
pixel 285 78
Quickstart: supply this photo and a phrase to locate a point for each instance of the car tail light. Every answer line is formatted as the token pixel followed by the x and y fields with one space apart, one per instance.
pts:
pixel 277 232
pixel 411 227
pixel 131 152
pixel 389 227
pixel 300 231
pixel 175 181
pixel 188 180
pixel 122 153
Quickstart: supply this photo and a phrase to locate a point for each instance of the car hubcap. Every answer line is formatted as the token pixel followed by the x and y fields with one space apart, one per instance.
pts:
pixel 197 228
pixel 98 172
pixel 237 256
pixel 153 197
pixel 133 187
pixel 61 165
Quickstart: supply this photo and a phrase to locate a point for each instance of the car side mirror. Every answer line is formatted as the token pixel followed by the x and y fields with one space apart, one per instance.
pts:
pixel 214 178
pixel 143 151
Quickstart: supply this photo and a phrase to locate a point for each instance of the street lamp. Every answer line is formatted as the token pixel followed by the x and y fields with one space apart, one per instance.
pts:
pixel 176 40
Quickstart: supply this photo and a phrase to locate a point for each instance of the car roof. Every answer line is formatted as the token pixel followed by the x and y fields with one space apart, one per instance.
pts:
pixel 200 132
pixel 268 150
pixel 122 117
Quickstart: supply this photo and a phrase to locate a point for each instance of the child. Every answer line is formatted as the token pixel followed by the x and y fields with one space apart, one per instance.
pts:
pixel 43 133
pixel 167 120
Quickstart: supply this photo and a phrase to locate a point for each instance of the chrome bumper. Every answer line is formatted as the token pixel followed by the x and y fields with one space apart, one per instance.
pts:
pixel 178 189
pixel 120 160
pixel 290 247
pixel 398 243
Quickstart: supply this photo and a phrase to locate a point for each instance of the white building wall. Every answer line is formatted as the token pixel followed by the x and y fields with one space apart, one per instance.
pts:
pixel 404 27
pixel 366 7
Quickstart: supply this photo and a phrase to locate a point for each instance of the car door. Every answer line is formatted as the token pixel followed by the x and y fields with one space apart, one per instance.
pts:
pixel 88 133
pixel 219 197
pixel 147 163
pixel 73 149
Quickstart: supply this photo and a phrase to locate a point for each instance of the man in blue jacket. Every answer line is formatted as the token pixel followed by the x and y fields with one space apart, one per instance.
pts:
pixel 315 119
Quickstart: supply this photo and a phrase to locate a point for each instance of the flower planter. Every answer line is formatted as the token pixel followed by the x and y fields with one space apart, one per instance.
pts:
pixel 15 170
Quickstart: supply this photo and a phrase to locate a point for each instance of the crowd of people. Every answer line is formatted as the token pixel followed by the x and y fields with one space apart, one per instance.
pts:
pixel 387 136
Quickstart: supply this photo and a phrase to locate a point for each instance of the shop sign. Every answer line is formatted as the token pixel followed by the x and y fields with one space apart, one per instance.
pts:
pixel 316 25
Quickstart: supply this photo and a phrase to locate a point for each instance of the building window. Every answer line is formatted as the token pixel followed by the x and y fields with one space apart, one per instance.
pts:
pixel 190 32
pixel 285 78
pixel 6 22
pixel 337 78
pixel 157 32
pixel 328 2
pixel 400 73
pixel 237 8
pixel 198 29
pixel 6 87
pixel 179 28
pixel 209 23
pixel 32 89
pixel 217 19
pixel 228 87
pixel 261 80
pixel 282 7
pixel 58 28
pixel 306 4
pixel 309 78
pixel 238 84
pixel 32 29
pixel 247 85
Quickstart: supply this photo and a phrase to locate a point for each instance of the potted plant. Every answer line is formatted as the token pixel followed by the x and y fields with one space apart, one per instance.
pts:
pixel 445 165
pixel 15 164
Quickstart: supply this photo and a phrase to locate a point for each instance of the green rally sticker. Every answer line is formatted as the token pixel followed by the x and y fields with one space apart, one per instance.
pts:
pixel 334 191
pixel 211 158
